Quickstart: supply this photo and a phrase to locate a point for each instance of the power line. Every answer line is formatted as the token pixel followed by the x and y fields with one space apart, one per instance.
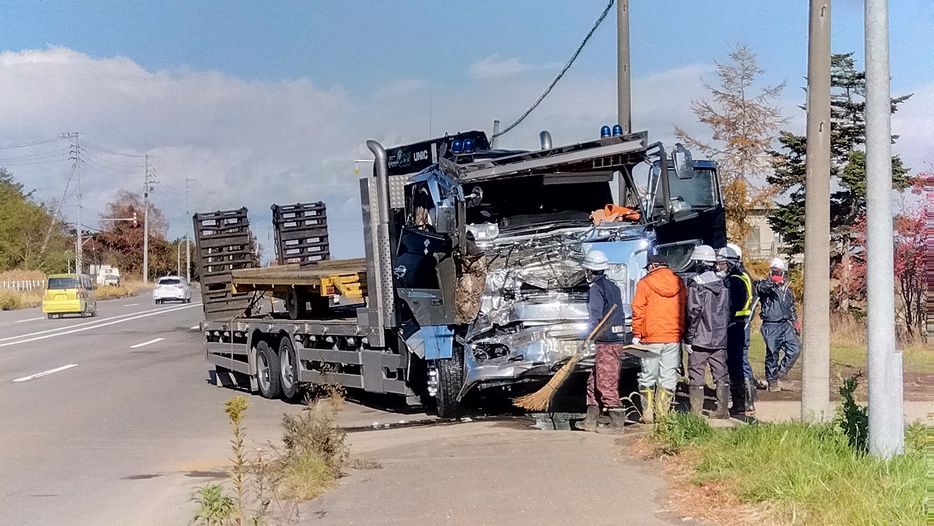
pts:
pixel 27 145
pixel 111 152
pixel 561 74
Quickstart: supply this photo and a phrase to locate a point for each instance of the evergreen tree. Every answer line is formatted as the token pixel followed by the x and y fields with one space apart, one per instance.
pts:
pixel 848 161
pixel 848 174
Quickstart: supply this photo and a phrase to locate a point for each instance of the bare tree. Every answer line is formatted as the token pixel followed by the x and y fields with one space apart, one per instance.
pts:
pixel 743 120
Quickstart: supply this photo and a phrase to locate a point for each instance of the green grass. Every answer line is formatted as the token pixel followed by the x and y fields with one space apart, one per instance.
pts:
pixel 306 476
pixel 807 473
pixel 916 358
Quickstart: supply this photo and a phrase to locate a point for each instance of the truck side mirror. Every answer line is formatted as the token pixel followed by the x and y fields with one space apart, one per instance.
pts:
pixel 682 162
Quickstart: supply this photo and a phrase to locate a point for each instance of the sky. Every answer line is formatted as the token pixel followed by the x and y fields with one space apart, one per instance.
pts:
pixel 250 103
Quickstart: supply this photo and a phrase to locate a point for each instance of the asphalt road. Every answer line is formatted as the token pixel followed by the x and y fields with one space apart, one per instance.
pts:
pixel 112 421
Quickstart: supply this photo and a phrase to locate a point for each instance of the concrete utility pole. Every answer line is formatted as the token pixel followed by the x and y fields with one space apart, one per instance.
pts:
pixel 884 363
pixel 624 87
pixel 146 189
pixel 815 352
pixel 187 237
pixel 76 159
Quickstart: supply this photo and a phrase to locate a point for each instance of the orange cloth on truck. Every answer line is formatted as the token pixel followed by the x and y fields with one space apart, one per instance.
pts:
pixel 658 307
pixel 624 211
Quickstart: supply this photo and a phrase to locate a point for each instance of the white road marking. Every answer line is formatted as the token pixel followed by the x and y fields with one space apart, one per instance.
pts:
pixel 30 319
pixel 95 322
pixel 195 328
pixel 82 329
pixel 45 373
pixel 131 304
pixel 138 345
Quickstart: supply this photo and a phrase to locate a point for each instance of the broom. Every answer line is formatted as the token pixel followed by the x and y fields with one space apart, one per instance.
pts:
pixel 540 399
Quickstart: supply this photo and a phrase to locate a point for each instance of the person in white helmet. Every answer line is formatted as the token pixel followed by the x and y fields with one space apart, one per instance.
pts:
pixel 738 280
pixel 780 325
pixel 603 382
pixel 705 332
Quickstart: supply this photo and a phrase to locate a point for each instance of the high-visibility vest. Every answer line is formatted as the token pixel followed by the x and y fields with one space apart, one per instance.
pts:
pixel 746 310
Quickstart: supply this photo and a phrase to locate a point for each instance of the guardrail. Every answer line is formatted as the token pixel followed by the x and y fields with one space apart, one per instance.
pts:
pixel 21 285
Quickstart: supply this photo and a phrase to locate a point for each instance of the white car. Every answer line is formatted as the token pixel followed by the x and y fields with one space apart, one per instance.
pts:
pixel 172 288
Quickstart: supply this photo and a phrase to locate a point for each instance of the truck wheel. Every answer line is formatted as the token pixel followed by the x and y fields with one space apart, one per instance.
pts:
pixel 288 369
pixel 267 370
pixel 450 381
pixel 295 304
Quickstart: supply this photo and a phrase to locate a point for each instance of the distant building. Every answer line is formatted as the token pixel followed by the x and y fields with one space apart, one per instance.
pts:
pixel 762 242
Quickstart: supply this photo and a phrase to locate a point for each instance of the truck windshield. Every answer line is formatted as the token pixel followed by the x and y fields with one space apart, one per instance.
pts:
pixel 527 201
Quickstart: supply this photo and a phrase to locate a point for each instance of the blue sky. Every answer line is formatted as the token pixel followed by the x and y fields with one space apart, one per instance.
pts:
pixel 267 102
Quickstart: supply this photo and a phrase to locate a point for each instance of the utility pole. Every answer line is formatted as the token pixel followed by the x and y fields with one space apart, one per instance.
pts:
pixel 815 353
pixel 624 87
pixel 146 189
pixel 75 157
pixel 187 231
pixel 884 363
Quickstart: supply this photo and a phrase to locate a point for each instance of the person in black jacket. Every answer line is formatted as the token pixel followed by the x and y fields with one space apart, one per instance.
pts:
pixel 780 325
pixel 742 382
pixel 705 332
pixel 603 382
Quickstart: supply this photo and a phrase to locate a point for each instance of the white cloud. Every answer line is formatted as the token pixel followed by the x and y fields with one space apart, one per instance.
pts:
pixel 494 67
pixel 254 143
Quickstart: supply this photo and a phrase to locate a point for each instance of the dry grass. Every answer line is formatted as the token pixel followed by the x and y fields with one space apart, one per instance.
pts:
pixel 14 300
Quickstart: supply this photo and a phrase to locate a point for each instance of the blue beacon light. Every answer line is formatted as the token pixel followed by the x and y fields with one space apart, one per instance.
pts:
pixel 604 132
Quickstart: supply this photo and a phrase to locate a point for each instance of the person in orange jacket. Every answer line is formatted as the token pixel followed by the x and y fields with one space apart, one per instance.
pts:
pixel 658 323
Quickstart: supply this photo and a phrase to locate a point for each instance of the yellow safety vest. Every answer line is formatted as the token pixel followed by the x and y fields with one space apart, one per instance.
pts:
pixel 746 310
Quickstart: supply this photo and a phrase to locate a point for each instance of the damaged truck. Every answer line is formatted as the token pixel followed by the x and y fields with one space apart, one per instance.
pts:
pixel 471 282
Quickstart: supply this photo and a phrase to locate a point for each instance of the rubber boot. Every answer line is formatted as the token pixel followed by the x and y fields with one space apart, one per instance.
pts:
pixel 696 395
pixel 723 401
pixel 647 398
pixel 589 423
pixel 750 387
pixel 617 422
pixel 663 400
pixel 739 394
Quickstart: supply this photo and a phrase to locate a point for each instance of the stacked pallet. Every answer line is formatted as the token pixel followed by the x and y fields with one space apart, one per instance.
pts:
pixel 301 232
pixel 223 243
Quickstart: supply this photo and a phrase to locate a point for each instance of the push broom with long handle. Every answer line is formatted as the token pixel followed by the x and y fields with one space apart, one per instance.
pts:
pixel 540 399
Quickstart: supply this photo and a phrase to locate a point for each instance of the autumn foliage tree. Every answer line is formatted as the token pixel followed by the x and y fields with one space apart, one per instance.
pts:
pixel 121 242
pixel 31 238
pixel 744 120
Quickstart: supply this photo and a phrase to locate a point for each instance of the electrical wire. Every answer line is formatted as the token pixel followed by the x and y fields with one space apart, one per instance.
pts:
pixel 36 143
pixel 561 74
pixel 111 152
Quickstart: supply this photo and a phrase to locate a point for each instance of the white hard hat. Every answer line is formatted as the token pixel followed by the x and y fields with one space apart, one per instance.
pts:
pixel 704 253
pixel 736 248
pixel 596 260
pixel 778 263
pixel 728 254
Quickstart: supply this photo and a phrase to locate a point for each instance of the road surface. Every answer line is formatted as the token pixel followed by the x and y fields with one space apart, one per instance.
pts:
pixel 112 420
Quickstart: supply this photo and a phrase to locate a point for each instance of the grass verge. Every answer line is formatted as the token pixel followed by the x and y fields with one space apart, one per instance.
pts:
pixel 792 473
pixel 16 299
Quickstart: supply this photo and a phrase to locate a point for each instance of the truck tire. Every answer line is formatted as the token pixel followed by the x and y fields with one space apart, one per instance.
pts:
pixel 450 381
pixel 288 369
pixel 267 371
pixel 295 304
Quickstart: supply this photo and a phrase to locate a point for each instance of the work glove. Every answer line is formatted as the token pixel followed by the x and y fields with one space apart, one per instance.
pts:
pixel 797 325
pixel 688 348
pixel 635 340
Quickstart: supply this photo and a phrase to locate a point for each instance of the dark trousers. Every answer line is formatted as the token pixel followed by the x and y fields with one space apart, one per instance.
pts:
pixel 737 352
pixel 779 337
pixel 700 358
pixel 603 382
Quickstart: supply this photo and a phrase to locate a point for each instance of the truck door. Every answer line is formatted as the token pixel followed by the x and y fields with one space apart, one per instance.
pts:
pixel 424 265
pixel 687 207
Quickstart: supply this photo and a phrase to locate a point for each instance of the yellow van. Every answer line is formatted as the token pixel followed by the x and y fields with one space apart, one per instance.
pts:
pixel 69 294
